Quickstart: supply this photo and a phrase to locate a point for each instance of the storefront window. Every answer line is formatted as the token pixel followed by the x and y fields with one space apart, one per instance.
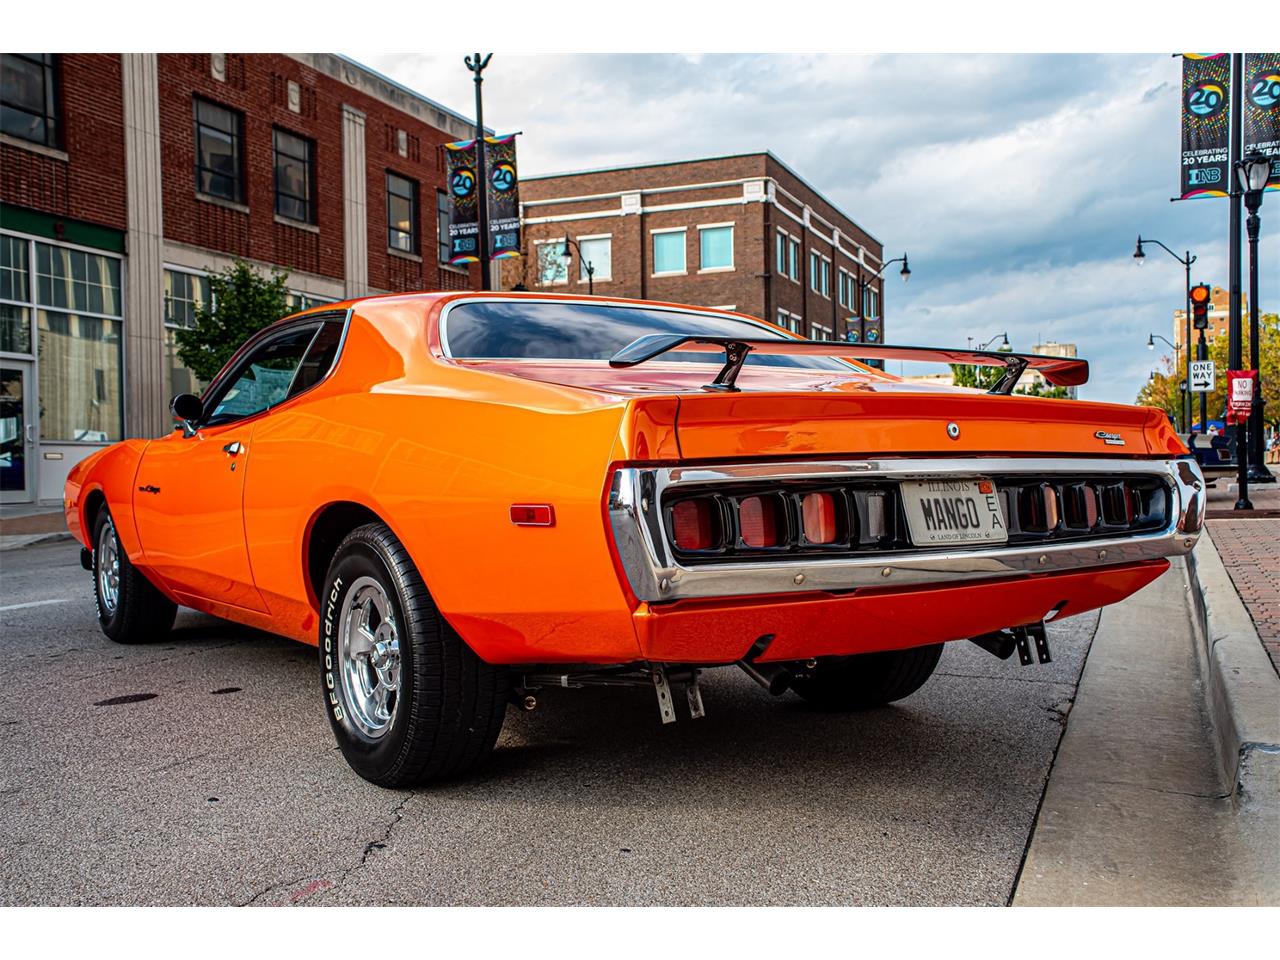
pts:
pixel 76 280
pixel 79 377
pixel 13 268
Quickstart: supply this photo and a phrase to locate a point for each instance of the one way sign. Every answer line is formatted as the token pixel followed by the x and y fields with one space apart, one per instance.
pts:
pixel 1201 376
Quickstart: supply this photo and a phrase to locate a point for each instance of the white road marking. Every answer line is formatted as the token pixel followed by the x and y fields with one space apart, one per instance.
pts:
pixel 35 603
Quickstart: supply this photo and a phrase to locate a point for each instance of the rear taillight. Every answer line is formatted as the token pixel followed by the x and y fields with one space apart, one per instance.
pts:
pixel 818 516
pixel 693 524
pixel 760 521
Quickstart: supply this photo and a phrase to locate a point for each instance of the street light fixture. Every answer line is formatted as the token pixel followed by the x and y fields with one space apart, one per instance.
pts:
pixel 1202 347
pixel 1151 345
pixel 587 265
pixel 1252 174
pixel 1004 337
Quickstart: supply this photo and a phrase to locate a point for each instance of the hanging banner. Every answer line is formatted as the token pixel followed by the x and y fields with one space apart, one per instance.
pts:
pixel 503 197
pixel 1206 82
pixel 1262 110
pixel 464 220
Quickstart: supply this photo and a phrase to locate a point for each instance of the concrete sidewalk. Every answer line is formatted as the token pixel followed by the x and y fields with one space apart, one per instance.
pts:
pixel 1136 811
pixel 24 524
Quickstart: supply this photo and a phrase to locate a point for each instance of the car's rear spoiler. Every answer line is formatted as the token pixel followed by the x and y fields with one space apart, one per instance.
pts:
pixel 1060 371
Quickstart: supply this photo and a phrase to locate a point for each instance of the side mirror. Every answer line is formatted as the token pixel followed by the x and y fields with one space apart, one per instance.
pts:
pixel 187 409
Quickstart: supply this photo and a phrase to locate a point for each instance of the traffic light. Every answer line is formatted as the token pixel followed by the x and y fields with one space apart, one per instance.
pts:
pixel 1200 306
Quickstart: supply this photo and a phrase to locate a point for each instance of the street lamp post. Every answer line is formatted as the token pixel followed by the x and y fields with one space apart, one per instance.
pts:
pixel 999 336
pixel 1252 174
pixel 864 285
pixel 1202 348
pixel 476 65
pixel 587 265
pixel 1177 363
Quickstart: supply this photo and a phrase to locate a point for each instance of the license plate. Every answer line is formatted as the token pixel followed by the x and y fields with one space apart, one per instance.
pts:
pixel 953 511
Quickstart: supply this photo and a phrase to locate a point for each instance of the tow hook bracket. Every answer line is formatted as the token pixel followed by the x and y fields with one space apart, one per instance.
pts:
pixel 1002 643
pixel 666 708
pixel 694 693
pixel 1024 646
pixel 1032 633
pixel 1041 637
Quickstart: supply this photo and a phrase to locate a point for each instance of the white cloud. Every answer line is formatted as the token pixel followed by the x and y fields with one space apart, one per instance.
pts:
pixel 1017 183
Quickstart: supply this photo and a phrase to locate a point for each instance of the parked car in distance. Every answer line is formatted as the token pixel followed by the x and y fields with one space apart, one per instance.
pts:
pixel 463 498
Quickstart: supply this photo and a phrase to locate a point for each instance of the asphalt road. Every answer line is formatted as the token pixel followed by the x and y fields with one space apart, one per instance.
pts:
pixel 202 771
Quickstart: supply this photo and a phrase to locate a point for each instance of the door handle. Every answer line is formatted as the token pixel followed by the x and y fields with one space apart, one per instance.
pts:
pixel 29 432
pixel 233 448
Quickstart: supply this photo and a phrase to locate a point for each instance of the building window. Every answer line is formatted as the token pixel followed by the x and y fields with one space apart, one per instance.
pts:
pixel 872 303
pixel 842 286
pixel 814 280
pixel 715 245
pixel 820 332
pixel 218 151
pixel 788 321
pixel 15 319
pixel 668 251
pixel 794 274
pixel 826 277
pixel 402 214
pixel 442 227
pixel 598 251
pixel 294 176
pixel 77 301
pixel 29 97
pixel 298 300
pixel 184 294
pixel 552 266
pixel 781 253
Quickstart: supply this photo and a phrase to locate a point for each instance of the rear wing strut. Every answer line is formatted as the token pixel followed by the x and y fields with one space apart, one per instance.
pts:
pixel 1060 371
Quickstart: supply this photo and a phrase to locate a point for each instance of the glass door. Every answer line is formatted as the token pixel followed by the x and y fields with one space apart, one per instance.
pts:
pixel 17 432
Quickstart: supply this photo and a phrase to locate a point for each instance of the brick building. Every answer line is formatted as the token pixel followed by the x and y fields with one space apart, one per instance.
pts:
pixel 742 232
pixel 125 179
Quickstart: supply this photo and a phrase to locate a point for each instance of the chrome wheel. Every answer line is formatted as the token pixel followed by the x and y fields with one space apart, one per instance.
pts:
pixel 108 558
pixel 370 658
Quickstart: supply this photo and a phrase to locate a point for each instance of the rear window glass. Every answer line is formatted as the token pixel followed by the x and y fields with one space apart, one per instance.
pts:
pixel 544 330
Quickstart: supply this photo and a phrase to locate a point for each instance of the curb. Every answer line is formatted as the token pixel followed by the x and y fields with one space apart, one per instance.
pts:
pixel 18 541
pixel 1242 690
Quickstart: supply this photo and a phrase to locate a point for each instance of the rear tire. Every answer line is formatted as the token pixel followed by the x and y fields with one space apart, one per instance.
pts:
pixel 408 700
pixel 868 679
pixel 130 608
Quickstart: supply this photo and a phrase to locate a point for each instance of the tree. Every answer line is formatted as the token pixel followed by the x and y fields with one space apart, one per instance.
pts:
pixel 1039 388
pixel 984 378
pixel 241 303
pixel 1162 389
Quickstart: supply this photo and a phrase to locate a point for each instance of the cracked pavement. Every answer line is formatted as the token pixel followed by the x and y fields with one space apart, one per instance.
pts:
pixel 226 786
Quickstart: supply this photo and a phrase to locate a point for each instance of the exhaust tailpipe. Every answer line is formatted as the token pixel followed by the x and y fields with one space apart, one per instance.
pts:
pixel 775 679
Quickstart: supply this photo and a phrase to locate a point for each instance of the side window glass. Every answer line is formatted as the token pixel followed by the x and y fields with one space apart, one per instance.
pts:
pixel 319 357
pixel 263 378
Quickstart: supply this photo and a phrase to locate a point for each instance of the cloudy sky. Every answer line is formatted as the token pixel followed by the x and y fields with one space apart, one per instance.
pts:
pixel 1017 183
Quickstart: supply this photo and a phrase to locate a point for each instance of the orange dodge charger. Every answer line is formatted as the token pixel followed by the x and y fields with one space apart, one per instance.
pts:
pixel 461 498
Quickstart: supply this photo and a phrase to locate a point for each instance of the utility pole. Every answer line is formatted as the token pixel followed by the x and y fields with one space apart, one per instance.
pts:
pixel 476 65
pixel 1234 328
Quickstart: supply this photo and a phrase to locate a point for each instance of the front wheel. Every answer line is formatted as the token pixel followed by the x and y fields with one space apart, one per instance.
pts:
pixel 130 608
pixel 407 699
pixel 868 679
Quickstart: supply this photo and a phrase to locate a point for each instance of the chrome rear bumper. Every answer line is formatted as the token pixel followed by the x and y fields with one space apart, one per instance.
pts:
pixel 635 513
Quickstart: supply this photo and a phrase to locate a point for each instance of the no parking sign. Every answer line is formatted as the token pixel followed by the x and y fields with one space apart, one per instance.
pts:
pixel 1240 394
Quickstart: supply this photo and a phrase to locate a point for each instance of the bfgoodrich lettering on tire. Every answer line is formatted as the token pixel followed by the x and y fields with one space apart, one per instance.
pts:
pixel 408 700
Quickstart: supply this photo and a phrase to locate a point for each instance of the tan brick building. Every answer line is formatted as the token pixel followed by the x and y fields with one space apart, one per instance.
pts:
pixel 742 232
